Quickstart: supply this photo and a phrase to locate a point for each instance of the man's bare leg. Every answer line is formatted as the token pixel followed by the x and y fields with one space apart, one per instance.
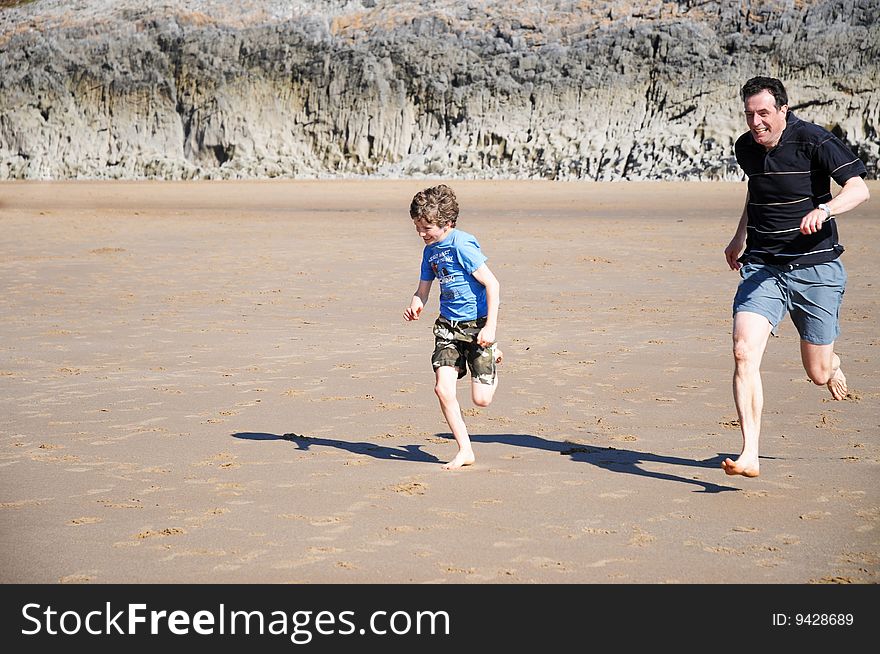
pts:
pixel 750 334
pixel 837 384
pixel 445 388
pixel 823 367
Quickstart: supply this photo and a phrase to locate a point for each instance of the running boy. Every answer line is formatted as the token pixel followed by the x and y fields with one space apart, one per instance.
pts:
pixel 464 333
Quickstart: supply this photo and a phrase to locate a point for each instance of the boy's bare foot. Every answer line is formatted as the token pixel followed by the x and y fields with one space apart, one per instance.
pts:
pixel 463 458
pixel 837 385
pixel 739 467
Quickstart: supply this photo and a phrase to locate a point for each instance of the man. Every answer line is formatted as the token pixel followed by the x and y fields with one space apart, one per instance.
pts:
pixel 786 249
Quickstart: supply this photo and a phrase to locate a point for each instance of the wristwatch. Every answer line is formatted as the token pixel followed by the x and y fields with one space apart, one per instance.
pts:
pixel 826 209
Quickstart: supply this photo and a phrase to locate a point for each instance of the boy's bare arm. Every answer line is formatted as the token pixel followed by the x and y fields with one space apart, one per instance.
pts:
pixel 418 301
pixel 493 295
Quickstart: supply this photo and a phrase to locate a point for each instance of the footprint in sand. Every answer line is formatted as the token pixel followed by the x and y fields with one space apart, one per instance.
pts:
pixel 545 563
pixel 722 550
pixel 619 495
pixel 22 503
pixel 75 522
pixel 834 580
pixel 291 516
pixel 325 521
pixel 642 539
pixel 168 531
pixel 221 460
pixel 130 504
pixel 814 515
pixel 409 488
pixel 601 563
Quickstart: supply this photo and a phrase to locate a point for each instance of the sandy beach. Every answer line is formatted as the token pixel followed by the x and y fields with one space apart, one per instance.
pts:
pixel 213 382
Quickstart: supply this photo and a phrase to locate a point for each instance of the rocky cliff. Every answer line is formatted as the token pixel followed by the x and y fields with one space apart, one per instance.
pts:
pixel 604 90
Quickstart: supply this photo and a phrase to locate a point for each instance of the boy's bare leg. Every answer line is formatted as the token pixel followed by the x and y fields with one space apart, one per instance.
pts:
pixel 823 367
pixel 481 393
pixel 445 388
pixel 750 334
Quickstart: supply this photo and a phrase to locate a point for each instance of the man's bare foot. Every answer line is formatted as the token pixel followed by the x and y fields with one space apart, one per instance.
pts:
pixel 837 385
pixel 746 469
pixel 463 458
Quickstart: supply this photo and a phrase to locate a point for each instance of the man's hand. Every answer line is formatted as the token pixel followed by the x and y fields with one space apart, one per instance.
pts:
pixel 732 252
pixel 812 222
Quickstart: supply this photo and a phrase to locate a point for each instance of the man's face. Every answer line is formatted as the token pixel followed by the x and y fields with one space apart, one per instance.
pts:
pixel 765 121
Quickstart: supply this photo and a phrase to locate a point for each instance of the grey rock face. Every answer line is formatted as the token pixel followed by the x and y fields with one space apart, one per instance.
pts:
pixel 480 89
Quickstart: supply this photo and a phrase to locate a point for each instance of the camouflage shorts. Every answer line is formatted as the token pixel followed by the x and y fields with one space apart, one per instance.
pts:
pixel 455 344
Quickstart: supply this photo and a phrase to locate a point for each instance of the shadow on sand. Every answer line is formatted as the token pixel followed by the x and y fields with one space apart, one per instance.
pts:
pixel 405 453
pixel 613 459
pixel 608 458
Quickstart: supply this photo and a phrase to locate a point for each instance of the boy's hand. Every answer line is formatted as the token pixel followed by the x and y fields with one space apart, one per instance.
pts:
pixel 486 337
pixel 413 311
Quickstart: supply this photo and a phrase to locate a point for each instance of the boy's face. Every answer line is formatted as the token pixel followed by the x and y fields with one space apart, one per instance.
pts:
pixel 430 233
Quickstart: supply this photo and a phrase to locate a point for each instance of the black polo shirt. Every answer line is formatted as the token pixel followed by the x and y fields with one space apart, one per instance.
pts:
pixel 785 183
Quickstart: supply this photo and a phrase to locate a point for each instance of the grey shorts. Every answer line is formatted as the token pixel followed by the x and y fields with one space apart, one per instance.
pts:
pixel 811 295
pixel 455 344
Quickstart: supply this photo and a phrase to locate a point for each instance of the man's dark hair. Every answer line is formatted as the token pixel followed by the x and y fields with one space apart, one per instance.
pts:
pixel 769 84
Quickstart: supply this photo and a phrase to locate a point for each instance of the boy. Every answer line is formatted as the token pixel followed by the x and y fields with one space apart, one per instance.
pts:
pixel 464 333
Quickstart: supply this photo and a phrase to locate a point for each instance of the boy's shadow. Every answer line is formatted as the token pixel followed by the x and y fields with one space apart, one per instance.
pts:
pixel 405 453
pixel 613 459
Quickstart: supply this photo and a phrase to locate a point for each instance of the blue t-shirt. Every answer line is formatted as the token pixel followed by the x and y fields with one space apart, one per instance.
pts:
pixel 453 261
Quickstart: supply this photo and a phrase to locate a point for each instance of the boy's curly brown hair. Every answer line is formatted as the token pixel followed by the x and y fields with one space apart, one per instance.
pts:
pixel 436 206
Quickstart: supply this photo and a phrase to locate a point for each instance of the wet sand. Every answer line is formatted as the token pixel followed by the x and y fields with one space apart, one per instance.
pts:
pixel 213 382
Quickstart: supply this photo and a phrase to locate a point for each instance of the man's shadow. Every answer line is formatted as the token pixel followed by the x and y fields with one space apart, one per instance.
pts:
pixel 405 453
pixel 609 458
pixel 613 459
